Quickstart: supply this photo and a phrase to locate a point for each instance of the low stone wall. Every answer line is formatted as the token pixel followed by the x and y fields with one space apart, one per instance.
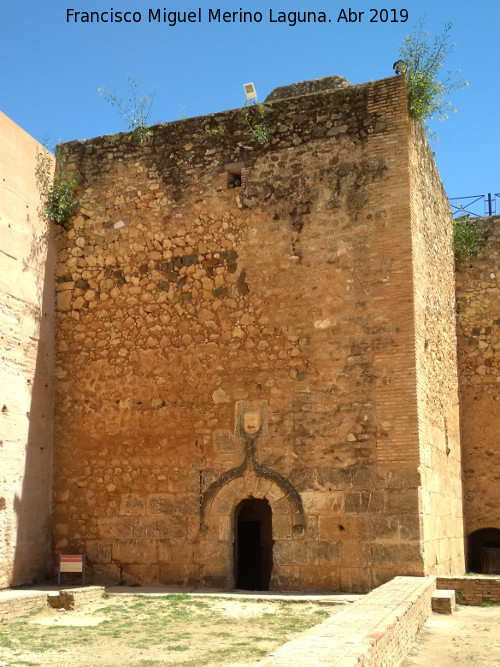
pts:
pixel 376 631
pixel 472 590
pixel 14 604
pixel 74 598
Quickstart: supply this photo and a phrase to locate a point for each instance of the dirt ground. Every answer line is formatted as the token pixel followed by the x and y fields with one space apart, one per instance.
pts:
pixel 468 638
pixel 147 631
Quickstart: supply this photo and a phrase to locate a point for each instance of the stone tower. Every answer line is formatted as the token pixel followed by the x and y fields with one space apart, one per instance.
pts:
pixel 256 355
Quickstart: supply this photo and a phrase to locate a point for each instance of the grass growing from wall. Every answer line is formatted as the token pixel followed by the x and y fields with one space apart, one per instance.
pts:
pixel 467 238
pixel 57 192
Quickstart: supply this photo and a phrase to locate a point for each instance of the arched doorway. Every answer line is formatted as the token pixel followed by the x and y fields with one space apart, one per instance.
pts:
pixel 483 551
pixel 253 544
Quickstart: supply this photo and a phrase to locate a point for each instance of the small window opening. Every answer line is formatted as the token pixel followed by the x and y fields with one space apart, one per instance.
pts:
pixel 234 178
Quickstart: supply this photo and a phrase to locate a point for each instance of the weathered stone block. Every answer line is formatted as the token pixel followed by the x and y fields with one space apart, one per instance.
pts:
pixel 114 529
pixel 290 552
pixel 443 602
pixel 212 552
pixel 98 552
pixel 356 554
pixel 363 502
pixel 132 504
pixel 141 573
pixel 135 551
pixel 385 555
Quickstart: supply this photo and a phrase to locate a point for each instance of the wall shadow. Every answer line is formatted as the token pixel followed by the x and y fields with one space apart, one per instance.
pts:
pixel 32 558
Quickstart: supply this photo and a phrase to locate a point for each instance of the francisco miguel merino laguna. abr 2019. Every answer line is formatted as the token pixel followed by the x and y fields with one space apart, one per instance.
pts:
pixel 172 18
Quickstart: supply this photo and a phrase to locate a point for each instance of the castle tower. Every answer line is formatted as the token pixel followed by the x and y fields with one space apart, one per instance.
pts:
pixel 256 357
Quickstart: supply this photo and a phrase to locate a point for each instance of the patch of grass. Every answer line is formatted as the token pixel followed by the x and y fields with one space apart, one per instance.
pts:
pixel 489 603
pixel 178 637
pixel 4 640
pixel 177 623
pixel 222 652
pixel 33 612
pixel 115 634
pixel 139 605
pixel 260 652
pixel 199 604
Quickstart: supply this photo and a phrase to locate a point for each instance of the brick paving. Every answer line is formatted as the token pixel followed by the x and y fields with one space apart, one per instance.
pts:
pixel 377 630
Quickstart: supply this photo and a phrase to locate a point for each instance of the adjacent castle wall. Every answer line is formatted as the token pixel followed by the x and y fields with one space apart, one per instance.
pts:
pixel 478 327
pixel 436 357
pixel 27 360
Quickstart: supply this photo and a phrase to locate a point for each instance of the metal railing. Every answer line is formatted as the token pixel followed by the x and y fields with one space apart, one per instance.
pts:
pixel 475 206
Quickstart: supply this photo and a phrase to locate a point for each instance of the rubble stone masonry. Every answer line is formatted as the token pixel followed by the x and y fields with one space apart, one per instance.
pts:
pixel 436 360
pixel 290 340
pixel 478 326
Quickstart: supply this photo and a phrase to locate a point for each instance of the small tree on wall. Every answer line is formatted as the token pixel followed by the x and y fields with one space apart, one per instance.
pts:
pixel 428 86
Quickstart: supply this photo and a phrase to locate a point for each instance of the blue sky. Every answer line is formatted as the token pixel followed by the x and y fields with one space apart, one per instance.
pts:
pixel 51 68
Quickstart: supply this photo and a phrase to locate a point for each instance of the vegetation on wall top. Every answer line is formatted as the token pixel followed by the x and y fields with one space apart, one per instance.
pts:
pixel 254 118
pixel 136 111
pixel 427 85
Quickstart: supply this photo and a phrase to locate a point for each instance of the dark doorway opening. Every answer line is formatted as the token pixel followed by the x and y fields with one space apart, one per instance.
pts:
pixel 483 551
pixel 253 545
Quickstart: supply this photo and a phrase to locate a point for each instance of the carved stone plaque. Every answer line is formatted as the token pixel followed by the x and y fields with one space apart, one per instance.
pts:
pixel 251 422
pixel 251 417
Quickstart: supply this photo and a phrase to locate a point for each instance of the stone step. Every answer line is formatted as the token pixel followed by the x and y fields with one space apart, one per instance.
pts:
pixel 443 602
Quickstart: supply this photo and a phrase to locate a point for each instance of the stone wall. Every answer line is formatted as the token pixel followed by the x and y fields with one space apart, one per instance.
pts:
pixel 18 603
pixel 478 327
pixel 27 360
pixel 472 590
pixel 189 309
pixel 436 358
